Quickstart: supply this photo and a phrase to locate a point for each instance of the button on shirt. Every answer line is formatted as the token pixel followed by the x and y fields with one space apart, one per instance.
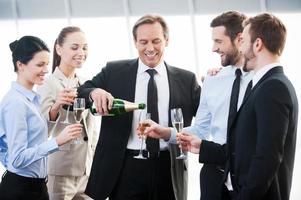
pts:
pixel 141 96
pixel 23 134
pixel 212 115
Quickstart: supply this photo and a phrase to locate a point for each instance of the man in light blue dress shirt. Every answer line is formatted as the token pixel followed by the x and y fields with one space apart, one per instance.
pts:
pixel 212 115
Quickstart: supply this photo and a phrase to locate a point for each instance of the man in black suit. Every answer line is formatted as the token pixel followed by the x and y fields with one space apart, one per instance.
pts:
pixel 115 173
pixel 260 148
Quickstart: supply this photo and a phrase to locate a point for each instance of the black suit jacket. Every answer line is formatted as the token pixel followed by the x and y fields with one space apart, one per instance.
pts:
pixel 260 149
pixel 119 78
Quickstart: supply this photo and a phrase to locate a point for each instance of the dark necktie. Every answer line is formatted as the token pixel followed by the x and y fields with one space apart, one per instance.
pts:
pixel 231 116
pixel 234 98
pixel 248 90
pixel 152 144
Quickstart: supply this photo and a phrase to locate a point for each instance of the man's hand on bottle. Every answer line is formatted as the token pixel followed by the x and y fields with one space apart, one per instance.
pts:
pixel 103 101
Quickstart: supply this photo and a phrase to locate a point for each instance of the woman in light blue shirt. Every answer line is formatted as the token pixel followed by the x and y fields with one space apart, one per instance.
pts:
pixel 23 130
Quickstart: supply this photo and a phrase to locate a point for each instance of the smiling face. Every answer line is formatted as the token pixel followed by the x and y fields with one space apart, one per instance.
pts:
pixel 150 43
pixel 223 45
pixel 34 71
pixel 73 51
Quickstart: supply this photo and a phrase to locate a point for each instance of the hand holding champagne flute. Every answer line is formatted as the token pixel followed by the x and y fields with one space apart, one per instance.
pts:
pixel 70 94
pixel 141 128
pixel 78 109
pixel 177 122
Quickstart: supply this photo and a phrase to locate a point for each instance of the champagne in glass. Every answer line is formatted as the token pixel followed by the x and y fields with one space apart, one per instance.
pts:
pixel 177 122
pixel 78 114
pixel 142 126
pixel 78 109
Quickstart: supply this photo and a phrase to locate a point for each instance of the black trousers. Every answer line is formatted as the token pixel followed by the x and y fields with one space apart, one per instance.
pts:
pixel 211 182
pixel 148 179
pixel 16 187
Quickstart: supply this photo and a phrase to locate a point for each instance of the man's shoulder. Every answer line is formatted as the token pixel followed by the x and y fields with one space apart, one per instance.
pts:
pixel 179 71
pixel 118 63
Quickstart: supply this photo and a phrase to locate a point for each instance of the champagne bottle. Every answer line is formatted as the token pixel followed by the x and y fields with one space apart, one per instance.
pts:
pixel 120 107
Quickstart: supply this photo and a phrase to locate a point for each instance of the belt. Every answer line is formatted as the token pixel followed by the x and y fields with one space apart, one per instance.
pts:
pixel 145 153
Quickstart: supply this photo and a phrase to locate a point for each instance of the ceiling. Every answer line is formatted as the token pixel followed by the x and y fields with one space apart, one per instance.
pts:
pixel 32 9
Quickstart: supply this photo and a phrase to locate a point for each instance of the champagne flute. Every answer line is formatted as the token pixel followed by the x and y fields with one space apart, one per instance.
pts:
pixel 78 109
pixel 177 122
pixel 68 86
pixel 142 126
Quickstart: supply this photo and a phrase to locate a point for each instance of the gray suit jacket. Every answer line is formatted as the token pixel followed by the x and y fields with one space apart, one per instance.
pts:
pixel 71 159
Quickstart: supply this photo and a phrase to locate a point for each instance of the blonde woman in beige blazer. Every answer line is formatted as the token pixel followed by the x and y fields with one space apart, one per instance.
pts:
pixel 69 168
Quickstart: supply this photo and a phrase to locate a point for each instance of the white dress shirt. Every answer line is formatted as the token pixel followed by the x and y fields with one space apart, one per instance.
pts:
pixel 261 72
pixel 141 97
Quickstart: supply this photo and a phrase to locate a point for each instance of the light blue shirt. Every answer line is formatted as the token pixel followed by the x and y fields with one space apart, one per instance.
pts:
pixel 211 120
pixel 23 134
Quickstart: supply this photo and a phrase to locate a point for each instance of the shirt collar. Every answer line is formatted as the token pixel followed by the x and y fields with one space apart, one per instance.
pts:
pixel 160 68
pixel 61 76
pixel 233 69
pixel 29 94
pixel 261 72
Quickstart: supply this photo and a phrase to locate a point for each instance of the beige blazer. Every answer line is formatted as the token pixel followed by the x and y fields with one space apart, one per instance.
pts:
pixel 71 159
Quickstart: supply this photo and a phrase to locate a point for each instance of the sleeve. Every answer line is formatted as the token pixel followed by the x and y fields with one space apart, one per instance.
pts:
pixel 212 153
pixel 272 106
pixel 202 121
pixel 97 81
pixel 21 155
pixel 48 97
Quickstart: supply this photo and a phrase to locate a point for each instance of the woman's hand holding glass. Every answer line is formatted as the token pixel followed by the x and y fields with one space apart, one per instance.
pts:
pixel 69 133
pixel 67 98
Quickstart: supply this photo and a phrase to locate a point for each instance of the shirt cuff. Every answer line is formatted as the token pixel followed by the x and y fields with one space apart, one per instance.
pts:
pixel 49 147
pixel 173 136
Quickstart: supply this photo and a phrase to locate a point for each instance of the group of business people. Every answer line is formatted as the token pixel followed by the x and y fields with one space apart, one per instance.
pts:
pixel 250 110
pixel 252 151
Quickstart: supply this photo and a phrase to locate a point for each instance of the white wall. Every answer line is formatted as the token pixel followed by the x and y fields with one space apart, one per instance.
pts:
pixel 108 40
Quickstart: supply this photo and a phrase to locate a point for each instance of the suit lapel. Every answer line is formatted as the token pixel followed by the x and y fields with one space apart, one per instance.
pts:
pixel 131 77
pixel 172 81
pixel 270 73
pixel 131 82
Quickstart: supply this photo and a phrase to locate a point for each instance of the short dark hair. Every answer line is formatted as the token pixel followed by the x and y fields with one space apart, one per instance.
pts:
pixel 151 19
pixel 60 41
pixel 270 30
pixel 232 21
pixel 25 48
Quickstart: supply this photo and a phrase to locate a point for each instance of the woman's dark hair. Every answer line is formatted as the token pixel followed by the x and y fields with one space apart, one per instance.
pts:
pixel 25 48
pixel 60 41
